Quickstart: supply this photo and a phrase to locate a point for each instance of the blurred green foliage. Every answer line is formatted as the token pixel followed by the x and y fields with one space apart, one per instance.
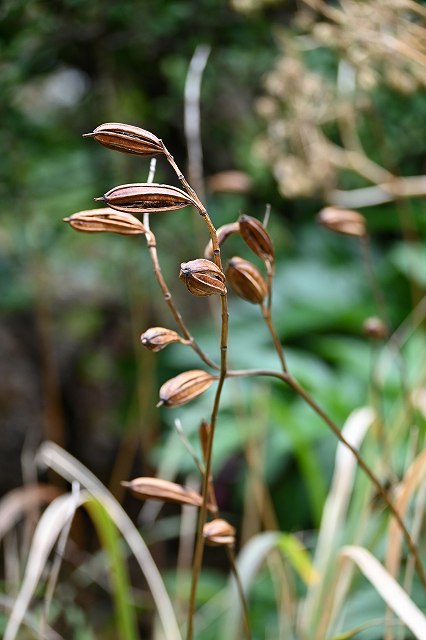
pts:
pixel 74 306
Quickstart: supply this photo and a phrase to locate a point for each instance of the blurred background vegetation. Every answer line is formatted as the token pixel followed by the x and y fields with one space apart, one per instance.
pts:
pixel 315 110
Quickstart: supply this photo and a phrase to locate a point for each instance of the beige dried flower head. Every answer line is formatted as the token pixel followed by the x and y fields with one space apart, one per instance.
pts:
pixel 157 338
pixel 222 233
pixel 375 328
pixel 105 219
pixel 158 489
pixel 343 221
pixel 256 237
pixel 246 280
pixel 127 138
pixel 146 197
pixel 202 277
pixel 185 387
pixel 219 532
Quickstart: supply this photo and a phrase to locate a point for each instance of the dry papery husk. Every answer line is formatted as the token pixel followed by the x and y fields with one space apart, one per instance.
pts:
pixel 166 491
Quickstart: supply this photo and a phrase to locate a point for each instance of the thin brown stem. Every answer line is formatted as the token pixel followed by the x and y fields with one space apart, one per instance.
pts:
pixel 297 388
pixel 231 558
pixel 199 543
pixel 266 312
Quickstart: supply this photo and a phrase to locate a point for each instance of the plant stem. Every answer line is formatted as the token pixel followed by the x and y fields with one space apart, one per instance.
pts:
pixel 152 246
pixel 231 558
pixel 288 379
pixel 199 543
pixel 266 312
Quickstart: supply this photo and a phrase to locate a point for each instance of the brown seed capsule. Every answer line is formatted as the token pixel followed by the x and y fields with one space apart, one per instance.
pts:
pixel 346 221
pixel 156 338
pixel 219 532
pixel 184 387
pixel 146 198
pixel 246 280
pixel 202 277
pixel 375 328
pixel 105 219
pixel 157 489
pixel 256 237
pixel 222 234
pixel 127 138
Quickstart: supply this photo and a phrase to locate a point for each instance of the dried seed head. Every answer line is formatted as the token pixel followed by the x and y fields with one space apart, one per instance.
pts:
pixel 156 338
pixel 246 280
pixel 222 234
pixel 229 182
pixel 256 237
pixel 105 219
pixel 157 489
pixel 219 532
pixel 375 328
pixel 184 387
pixel 125 137
pixel 146 198
pixel 202 277
pixel 346 221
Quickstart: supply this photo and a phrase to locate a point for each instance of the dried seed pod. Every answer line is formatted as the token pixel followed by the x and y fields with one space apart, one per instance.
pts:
pixel 346 221
pixel 146 197
pixel 127 138
pixel 375 328
pixel 156 338
pixel 223 233
pixel 184 387
pixel 256 237
pixel 219 532
pixel 105 219
pixel 158 489
pixel 246 280
pixel 202 277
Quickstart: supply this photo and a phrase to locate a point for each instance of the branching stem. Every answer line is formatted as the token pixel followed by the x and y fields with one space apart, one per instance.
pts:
pixel 297 388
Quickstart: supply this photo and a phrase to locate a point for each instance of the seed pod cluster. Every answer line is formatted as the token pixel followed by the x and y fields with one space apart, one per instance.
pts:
pixel 222 233
pixel 127 138
pixel 158 489
pixel 345 221
pixel 146 197
pixel 256 237
pixel 246 280
pixel 105 219
pixel 157 338
pixel 185 387
pixel 202 277
pixel 219 532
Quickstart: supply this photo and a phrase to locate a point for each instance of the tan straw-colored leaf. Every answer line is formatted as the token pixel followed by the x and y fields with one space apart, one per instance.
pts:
pixel 389 590
pixel 412 479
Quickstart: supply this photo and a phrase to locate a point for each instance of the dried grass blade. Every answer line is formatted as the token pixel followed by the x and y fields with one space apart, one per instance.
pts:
pixel 336 506
pixel 69 468
pixel 48 529
pixel 390 591
pixel 412 479
pixel 21 501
